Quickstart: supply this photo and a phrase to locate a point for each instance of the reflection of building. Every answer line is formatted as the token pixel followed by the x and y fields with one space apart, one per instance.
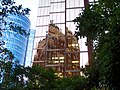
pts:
pixel 61 13
pixel 15 42
pixel 51 52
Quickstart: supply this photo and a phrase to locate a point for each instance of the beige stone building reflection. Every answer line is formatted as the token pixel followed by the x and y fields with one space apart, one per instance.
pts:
pixel 59 52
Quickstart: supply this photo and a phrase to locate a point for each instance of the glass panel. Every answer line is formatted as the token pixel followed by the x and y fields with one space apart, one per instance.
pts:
pixel 71 26
pixel 41 31
pixel 58 17
pixel 57 7
pixel 44 3
pixel 83 59
pixel 83 47
pixel 43 11
pixel 75 3
pixel 43 21
pixel 61 27
pixel 70 3
pixel 73 13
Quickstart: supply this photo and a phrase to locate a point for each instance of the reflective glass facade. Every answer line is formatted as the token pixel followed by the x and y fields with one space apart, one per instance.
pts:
pixel 29 52
pixel 61 13
pixel 62 17
pixel 15 42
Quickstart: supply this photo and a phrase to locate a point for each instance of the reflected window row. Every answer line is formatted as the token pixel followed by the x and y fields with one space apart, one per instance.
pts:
pixel 43 20
pixel 58 17
pixel 41 31
pixel 57 7
pixel 44 3
pixel 72 13
pixel 43 11
pixel 75 3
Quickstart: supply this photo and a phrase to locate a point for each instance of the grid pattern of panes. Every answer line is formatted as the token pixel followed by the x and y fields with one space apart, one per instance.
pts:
pixel 55 10
pixel 15 42
pixel 60 15
pixel 73 9
pixel 43 20
pixel 57 13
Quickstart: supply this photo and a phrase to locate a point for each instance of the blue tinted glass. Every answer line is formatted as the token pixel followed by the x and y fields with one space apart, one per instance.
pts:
pixel 16 43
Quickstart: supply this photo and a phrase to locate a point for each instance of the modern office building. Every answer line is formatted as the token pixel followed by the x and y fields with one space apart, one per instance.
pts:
pixel 55 50
pixel 15 42
pixel 60 13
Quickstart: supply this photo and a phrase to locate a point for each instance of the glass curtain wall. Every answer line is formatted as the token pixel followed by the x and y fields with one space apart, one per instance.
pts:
pixel 15 42
pixel 60 13
pixel 29 51
pixel 54 10
pixel 73 9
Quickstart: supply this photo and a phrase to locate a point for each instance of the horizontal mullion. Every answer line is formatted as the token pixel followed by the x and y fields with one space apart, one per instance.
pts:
pixel 57 12
pixel 57 2
pixel 43 16
pixel 44 7
pixel 75 8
